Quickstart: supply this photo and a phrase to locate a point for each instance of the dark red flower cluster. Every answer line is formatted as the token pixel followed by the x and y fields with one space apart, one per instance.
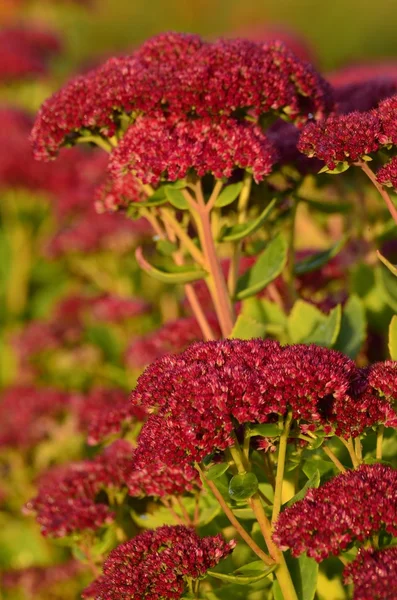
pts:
pixel 34 581
pixel 387 112
pixel 284 137
pixel 159 479
pixel 374 574
pixel 173 336
pixel 25 52
pixel 157 147
pixel 157 564
pixel 359 72
pixel 350 507
pixel 65 502
pixel 364 95
pixel 28 414
pixel 182 75
pixel 341 138
pixel 103 412
pixel 118 193
pixel 387 175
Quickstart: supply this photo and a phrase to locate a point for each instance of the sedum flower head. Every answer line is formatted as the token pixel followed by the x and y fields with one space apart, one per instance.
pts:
pixel 373 574
pixel 341 138
pixel 159 479
pixel 387 112
pixel 156 563
pixel 349 508
pixel 387 175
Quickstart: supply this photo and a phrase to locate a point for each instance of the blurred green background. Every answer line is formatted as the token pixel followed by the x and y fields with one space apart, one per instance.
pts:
pixel 340 31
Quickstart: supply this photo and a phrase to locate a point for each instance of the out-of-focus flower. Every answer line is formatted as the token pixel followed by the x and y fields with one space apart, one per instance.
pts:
pixel 172 337
pixel 25 52
pixel 180 75
pixel 37 580
pixel 157 563
pixel 65 502
pixel 373 574
pixel 365 95
pixel 103 412
pixel 28 414
pixel 159 479
pixel 265 34
pixel 350 507
pixel 118 193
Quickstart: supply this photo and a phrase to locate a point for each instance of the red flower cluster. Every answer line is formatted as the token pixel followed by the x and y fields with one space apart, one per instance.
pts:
pixel 103 412
pixel 66 499
pixel 118 193
pixel 185 102
pixel 25 52
pixel 157 563
pixel 157 147
pixel 387 175
pixel 349 137
pixel 159 479
pixel 173 336
pixel 28 414
pixel 351 507
pixel 35 581
pixel 374 574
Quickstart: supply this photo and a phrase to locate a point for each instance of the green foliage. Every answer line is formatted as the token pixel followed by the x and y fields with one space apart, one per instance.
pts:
pixel 314 262
pixel 353 327
pixel 308 325
pixel 240 231
pixel 393 338
pixel 243 486
pixel 229 194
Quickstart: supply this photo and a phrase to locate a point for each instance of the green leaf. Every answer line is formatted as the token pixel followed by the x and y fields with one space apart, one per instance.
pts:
pixel 216 471
pixel 353 327
pixel 268 266
pixel 392 268
pixel 314 262
pixel 263 310
pixel 243 486
pixel 229 194
pixel 246 328
pixel 249 573
pixel 327 207
pixel 313 482
pixel 308 325
pixel 156 199
pixel 242 230
pixel 388 284
pixel 176 198
pixel 102 336
pixel 340 168
pixel 177 275
pixel 393 338
pixel 304 574
pixel 265 430
pixel 244 513
pixel 165 247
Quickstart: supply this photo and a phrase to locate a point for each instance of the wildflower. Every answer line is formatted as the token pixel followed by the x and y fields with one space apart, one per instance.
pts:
pixel 159 479
pixel 341 138
pixel 387 111
pixel 351 507
pixel 65 502
pixel 387 175
pixel 374 574
pixel 156 148
pixel 157 563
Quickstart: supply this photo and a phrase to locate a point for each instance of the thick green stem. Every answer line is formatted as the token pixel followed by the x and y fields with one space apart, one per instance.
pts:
pixel 334 458
pixel 350 448
pixel 379 441
pixel 282 452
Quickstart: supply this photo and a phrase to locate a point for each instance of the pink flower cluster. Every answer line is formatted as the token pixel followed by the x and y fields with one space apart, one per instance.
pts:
pixel 349 137
pixel 199 397
pixel 157 563
pixel 65 502
pixel 24 52
pixel 387 175
pixel 350 507
pixel 35 581
pixel 159 479
pixel 374 574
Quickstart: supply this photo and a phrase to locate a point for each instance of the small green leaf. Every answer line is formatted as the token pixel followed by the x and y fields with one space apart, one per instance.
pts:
pixel 393 338
pixel 177 275
pixel 326 332
pixel 156 199
pixel 249 573
pixel 308 325
pixel 229 194
pixel 327 207
pixel 388 284
pixel 265 430
pixel 243 486
pixel 314 262
pixel 216 471
pixel 353 327
pixel 240 231
pixel 313 482
pixel 340 168
pixel 166 248
pixel 268 266
pixel 246 328
pixel 176 198
pixel 392 268
pixel 304 574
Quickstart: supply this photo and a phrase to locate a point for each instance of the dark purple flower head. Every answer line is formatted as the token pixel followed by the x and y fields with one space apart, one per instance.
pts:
pixel 364 95
pixel 155 564
pixel 173 336
pixel 350 507
pixel 387 175
pixel 387 112
pixel 284 137
pixel 24 52
pixel 65 502
pixel 157 148
pixel 373 574
pixel 103 412
pixel 28 414
pixel 341 138
pixel 180 75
